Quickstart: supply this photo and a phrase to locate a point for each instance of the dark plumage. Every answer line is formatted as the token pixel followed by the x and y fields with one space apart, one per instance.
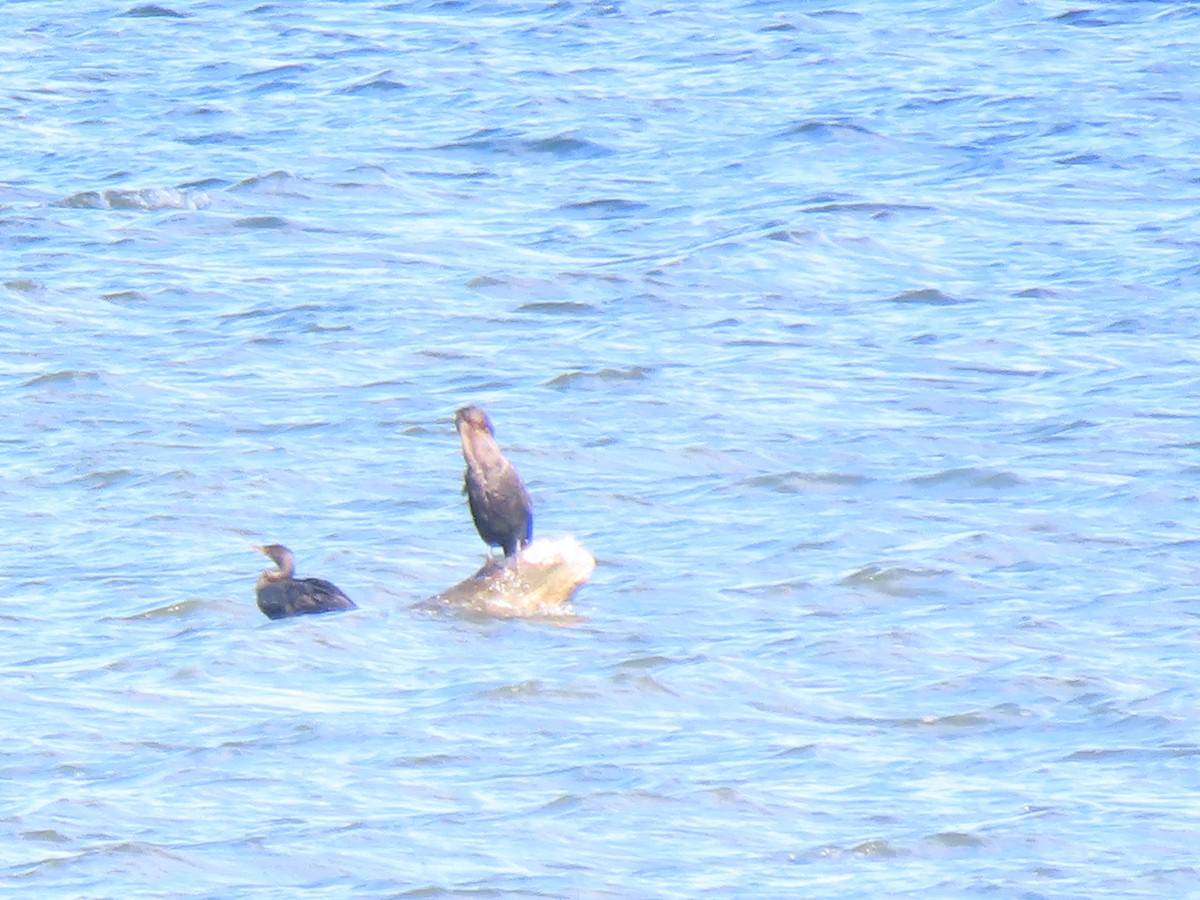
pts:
pixel 499 502
pixel 280 595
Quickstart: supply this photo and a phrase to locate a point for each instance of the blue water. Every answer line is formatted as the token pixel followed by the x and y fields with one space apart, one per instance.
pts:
pixel 858 343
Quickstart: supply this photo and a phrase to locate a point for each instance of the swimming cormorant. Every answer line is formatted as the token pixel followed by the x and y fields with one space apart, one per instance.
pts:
pixel 499 502
pixel 280 595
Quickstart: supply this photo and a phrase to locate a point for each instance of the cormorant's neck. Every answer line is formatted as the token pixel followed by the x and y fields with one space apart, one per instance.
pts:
pixel 271 576
pixel 481 451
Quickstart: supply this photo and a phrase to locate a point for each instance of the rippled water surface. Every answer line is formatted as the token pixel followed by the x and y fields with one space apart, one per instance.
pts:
pixel 858 343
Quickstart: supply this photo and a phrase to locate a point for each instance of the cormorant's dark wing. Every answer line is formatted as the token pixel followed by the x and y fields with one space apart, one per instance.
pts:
pixel 501 508
pixel 301 597
pixel 318 595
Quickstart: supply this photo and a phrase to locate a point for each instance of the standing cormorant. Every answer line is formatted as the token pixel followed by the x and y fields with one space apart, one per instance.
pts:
pixel 499 502
pixel 280 595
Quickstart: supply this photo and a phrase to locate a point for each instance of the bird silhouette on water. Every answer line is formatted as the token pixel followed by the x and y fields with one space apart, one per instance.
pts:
pixel 499 502
pixel 281 595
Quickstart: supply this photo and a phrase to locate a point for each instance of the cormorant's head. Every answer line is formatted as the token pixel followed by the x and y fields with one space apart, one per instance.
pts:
pixel 281 556
pixel 474 418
